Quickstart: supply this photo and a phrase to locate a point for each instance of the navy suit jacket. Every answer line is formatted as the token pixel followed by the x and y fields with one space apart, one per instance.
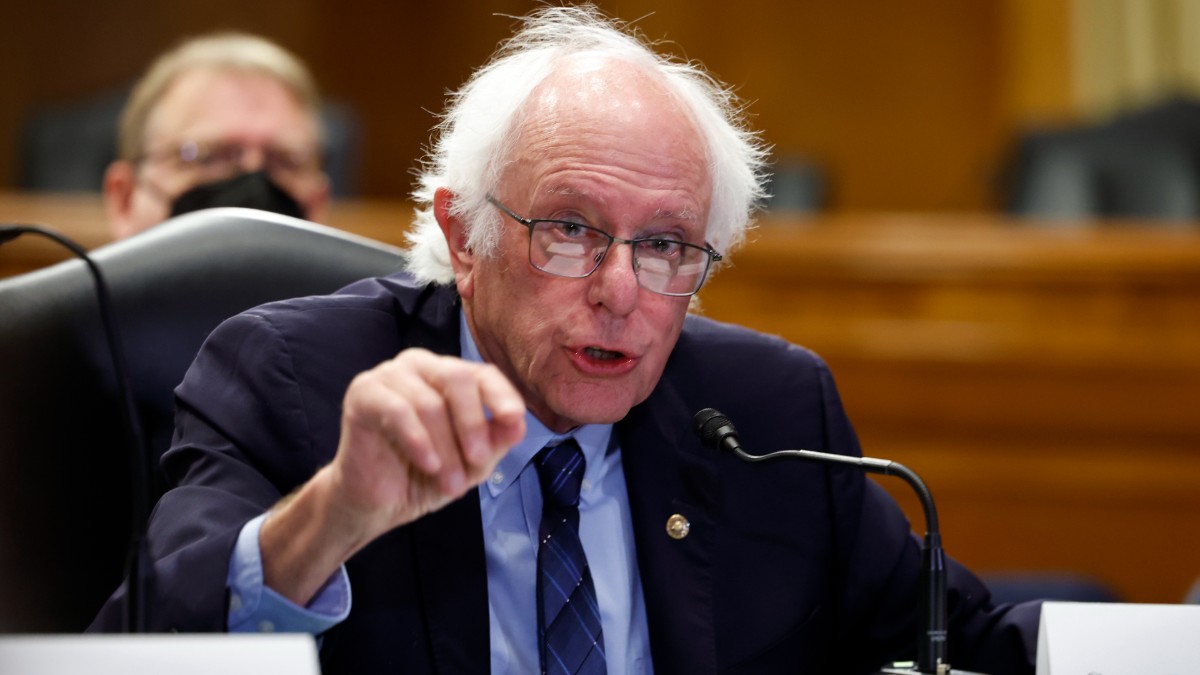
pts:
pixel 789 567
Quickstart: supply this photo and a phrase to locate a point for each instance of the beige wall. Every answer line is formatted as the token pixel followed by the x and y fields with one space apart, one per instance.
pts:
pixel 908 105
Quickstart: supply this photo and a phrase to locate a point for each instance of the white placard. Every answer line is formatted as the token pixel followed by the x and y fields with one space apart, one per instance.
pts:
pixel 208 654
pixel 1095 638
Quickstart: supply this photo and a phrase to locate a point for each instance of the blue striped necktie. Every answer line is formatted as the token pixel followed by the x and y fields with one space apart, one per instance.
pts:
pixel 570 640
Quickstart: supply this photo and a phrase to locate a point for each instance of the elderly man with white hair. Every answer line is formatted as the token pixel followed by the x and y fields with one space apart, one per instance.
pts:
pixel 486 463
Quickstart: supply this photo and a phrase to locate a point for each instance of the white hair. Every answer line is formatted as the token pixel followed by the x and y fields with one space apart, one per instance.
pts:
pixel 483 118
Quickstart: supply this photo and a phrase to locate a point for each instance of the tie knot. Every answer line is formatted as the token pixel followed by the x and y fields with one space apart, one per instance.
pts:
pixel 560 472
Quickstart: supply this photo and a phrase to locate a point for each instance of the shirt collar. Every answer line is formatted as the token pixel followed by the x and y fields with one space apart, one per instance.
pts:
pixel 593 439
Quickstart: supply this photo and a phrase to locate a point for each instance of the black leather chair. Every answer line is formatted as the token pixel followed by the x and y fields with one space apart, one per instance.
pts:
pixel 797 185
pixel 1105 172
pixel 65 485
pixel 1142 164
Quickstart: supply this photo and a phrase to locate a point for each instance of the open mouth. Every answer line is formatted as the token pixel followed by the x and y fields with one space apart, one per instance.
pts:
pixel 602 354
pixel 603 362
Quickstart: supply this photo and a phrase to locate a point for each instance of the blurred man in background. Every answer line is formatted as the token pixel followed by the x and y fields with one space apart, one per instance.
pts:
pixel 226 119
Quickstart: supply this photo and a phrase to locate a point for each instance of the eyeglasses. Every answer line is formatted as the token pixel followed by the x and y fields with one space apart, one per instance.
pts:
pixel 220 160
pixel 575 250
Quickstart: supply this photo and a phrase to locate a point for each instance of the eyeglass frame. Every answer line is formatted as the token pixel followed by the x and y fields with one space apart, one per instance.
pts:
pixel 192 155
pixel 530 223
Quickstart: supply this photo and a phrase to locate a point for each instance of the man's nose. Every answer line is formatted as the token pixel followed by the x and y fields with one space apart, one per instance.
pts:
pixel 614 284
pixel 253 159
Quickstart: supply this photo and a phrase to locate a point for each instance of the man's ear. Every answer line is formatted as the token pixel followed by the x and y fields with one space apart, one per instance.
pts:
pixel 462 258
pixel 120 179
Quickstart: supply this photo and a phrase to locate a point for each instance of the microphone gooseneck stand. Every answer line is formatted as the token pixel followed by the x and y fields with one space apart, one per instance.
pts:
pixel 139 565
pixel 717 431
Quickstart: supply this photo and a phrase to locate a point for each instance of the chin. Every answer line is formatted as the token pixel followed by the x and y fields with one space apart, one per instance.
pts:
pixel 594 405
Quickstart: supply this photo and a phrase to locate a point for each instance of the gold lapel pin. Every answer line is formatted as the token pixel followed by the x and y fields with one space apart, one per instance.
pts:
pixel 678 526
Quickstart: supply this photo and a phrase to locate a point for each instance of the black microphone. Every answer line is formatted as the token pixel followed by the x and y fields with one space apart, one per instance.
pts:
pixel 138 564
pixel 717 431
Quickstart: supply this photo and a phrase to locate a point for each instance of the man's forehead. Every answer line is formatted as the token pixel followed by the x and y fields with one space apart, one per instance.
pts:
pixel 601 83
pixel 632 121
pixel 209 103
pixel 569 193
pixel 605 97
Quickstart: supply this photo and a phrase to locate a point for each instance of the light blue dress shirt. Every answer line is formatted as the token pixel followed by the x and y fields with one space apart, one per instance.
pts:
pixel 511 506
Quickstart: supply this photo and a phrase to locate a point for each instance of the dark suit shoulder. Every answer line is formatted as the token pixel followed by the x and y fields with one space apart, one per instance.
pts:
pixel 271 379
pixel 704 337
pixel 395 295
pixel 760 380
pixel 365 322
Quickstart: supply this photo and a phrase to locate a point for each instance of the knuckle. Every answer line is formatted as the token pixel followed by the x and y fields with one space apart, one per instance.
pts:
pixel 427 404
pixel 409 358
pixel 393 419
pixel 458 377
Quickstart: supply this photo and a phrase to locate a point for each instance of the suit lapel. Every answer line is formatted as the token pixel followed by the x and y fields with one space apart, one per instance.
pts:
pixel 452 571
pixel 429 318
pixel 668 474
pixel 448 544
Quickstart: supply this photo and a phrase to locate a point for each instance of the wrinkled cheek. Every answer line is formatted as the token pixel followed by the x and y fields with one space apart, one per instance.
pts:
pixel 538 361
pixel 540 370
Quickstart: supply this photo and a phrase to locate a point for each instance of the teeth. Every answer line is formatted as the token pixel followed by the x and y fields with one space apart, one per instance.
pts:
pixel 602 354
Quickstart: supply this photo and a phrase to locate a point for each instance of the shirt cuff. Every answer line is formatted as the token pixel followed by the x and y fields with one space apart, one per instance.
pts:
pixel 255 608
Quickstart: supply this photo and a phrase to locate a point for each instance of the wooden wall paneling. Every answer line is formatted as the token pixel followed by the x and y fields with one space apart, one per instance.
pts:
pixel 904 104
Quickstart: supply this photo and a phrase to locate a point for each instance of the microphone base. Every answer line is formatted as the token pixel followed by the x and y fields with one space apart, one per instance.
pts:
pixel 912 670
pixel 909 668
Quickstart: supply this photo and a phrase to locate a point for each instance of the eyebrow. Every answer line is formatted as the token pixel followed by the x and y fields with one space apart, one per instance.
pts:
pixel 686 214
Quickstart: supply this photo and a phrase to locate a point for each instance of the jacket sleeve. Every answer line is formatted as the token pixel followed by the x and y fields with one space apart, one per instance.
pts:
pixel 244 437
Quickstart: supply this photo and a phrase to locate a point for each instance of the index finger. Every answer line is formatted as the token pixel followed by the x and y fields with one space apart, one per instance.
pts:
pixel 506 407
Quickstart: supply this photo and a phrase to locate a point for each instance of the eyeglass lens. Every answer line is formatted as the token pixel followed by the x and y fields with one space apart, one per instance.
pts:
pixel 662 266
pixel 215 161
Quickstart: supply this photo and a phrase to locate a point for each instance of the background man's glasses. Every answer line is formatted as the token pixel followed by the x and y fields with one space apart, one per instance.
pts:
pixel 575 250
pixel 207 162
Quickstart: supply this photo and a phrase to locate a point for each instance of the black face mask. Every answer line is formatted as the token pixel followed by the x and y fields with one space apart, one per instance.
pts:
pixel 249 190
